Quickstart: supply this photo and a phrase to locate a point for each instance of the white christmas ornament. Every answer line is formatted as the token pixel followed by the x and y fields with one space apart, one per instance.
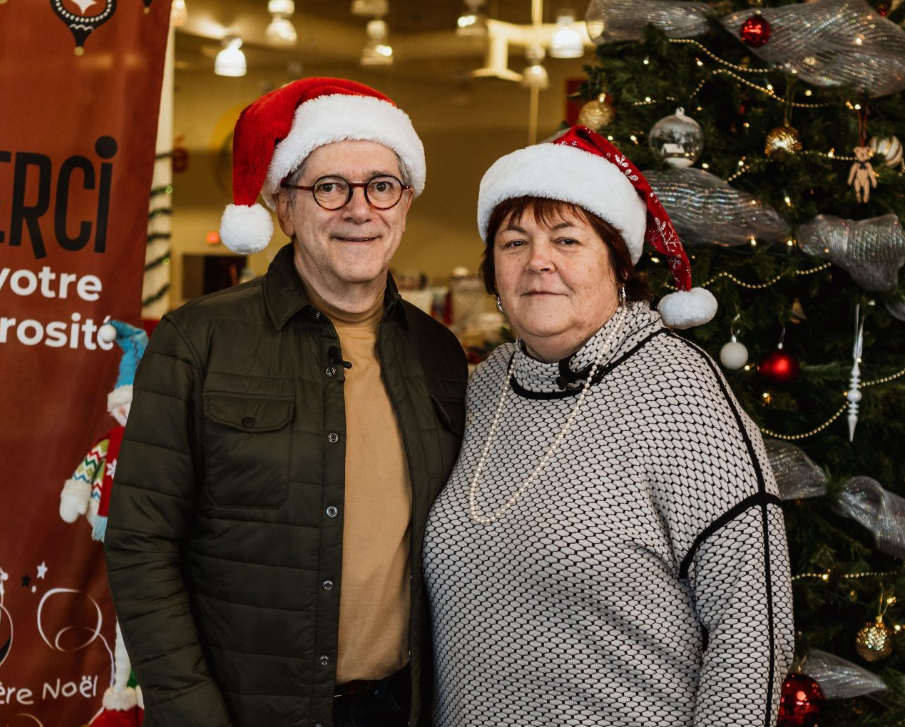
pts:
pixel 854 394
pixel 677 139
pixel 889 149
pixel 733 355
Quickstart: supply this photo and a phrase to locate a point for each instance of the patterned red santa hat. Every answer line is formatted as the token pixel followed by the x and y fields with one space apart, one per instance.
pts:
pixel 276 133
pixel 583 168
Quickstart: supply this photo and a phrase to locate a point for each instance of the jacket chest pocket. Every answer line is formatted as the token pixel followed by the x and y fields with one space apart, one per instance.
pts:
pixel 247 449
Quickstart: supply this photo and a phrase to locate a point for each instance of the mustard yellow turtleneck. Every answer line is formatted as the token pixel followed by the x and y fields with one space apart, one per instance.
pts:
pixel 375 598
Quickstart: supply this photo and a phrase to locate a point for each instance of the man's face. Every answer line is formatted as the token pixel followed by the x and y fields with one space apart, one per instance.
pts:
pixel 341 250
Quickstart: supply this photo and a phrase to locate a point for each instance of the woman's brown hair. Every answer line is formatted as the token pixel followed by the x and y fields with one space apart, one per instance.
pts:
pixel 549 212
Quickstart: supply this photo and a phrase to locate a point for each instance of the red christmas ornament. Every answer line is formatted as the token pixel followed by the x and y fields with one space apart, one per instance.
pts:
pixel 756 31
pixel 883 9
pixel 779 367
pixel 800 703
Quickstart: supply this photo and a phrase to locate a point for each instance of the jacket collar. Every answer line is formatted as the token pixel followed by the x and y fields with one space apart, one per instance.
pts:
pixel 285 296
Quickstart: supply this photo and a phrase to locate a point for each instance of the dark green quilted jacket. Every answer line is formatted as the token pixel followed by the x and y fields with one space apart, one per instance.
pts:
pixel 227 514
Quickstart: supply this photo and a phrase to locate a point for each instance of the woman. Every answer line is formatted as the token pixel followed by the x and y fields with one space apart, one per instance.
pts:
pixel 610 548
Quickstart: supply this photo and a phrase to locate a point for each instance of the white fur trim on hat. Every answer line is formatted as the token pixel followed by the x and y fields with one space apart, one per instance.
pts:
pixel 568 174
pixel 344 117
pixel 246 229
pixel 119 699
pixel 687 308
pixel 120 395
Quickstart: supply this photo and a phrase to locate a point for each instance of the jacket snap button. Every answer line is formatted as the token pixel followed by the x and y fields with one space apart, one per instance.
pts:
pixel 330 371
pixel 324 660
pixel 328 585
pixel 332 511
pixel 333 437
pixel 248 422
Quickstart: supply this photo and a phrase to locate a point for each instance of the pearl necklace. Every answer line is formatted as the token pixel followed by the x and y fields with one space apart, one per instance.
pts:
pixel 551 451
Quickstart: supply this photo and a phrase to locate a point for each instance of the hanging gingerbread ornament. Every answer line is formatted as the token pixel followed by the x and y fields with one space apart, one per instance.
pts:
pixel 756 31
pixel 800 702
pixel 779 366
pixel 862 176
pixel 597 113
pixel 782 142
pixel 733 355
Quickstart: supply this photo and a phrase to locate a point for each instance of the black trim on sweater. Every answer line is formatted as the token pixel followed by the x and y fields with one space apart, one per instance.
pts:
pixel 765 499
pixel 598 377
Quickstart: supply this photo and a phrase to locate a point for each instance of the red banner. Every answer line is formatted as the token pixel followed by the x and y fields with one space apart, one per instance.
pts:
pixel 80 84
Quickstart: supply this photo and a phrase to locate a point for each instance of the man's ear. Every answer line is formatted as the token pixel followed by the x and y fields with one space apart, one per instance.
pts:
pixel 284 213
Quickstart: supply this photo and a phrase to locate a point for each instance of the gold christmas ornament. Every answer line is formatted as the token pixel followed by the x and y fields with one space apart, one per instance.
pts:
pixel 782 142
pixel 597 114
pixel 874 641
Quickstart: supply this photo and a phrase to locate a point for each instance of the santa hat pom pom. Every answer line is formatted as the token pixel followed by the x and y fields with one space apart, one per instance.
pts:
pixel 245 229
pixel 107 333
pixel 687 308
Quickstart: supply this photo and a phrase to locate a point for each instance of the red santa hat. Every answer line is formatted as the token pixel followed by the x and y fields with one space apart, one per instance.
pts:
pixel 584 169
pixel 276 133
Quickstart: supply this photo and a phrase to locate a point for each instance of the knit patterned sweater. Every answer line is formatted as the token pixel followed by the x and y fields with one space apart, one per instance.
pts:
pixel 642 579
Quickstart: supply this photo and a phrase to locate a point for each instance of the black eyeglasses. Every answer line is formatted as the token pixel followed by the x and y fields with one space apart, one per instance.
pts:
pixel 331 193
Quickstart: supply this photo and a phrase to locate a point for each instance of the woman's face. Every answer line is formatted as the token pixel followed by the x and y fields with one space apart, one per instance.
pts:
pixel 555 282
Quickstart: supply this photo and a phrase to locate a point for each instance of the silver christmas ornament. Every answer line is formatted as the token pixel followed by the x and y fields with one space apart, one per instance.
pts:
pixel 833 43
pixel 707 210
pixel 797 476
pixel 677 139
pixel 838 678
pixel 864 500
pixel 854 391
pixel 614 20
pixel 888 149
pixel 872 251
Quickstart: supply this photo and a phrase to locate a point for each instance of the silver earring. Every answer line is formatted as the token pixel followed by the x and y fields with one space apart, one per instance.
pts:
pixel 622 297
pixel 499 305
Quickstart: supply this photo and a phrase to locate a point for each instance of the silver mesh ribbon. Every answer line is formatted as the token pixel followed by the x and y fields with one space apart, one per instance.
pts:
pixel 707 210
pixel 897 308
pixel 832 43
pixel 614 20
pixel 871 251
pixel 864 500
pixel 797 476
pixel 838 678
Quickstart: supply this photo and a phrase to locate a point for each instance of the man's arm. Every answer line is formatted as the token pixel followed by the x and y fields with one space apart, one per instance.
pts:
pixel 151 513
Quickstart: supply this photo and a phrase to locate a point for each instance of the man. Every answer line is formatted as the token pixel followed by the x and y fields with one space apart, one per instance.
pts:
pixel 286 440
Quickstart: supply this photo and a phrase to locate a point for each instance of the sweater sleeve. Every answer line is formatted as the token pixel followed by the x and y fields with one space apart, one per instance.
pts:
pixel 725 521
pixel 151 513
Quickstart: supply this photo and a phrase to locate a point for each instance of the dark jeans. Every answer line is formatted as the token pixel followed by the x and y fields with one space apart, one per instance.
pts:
pixel 387 705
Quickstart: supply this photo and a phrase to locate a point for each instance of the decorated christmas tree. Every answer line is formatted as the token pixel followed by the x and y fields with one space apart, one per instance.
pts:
pixel 770 134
